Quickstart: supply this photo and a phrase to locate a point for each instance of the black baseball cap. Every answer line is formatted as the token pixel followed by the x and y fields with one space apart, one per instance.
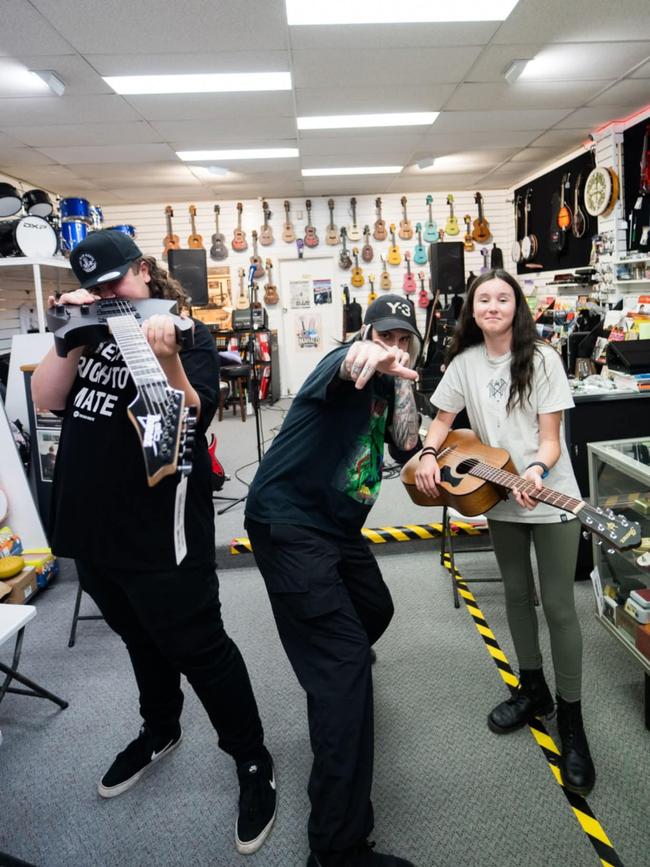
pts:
pixel 103 256
pixel 392 311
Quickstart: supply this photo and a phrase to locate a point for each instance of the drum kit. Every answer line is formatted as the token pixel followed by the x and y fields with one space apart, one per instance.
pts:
pixel 45 229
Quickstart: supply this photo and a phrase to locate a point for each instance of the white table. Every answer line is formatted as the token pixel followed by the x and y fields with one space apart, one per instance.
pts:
pixel 13 619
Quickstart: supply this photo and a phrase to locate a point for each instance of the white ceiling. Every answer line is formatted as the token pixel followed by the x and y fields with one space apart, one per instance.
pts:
pixel 116 149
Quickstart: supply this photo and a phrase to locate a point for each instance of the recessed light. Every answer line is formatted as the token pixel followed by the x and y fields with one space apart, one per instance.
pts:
pixel 229 82
pixel 245 154
pixel 515 70
pixel 353 170
pixel 218 171
pixel 388 12
pixel 353 121
pixel 51 79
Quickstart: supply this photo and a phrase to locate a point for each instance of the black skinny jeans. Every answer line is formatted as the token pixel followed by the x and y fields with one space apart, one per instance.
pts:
pixel 171 623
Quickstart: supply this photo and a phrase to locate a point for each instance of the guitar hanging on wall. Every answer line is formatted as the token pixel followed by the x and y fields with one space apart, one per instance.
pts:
pixel 331 233
pixel 239 242
pixel 451 228
pixel 423 295
pixel 345 261
pixel 357 278
pixel 354 232
pixel 270 290
pixel 420 252
pixel 409 285
pixel 384 279
pixel 367 253
pixel 288 234
pixel 311 238
pixel 255 259
pixel 580 220
pixel 430 227
pixel 481 231
pixel 405 227
pixel 170 241
pixel 218 250
pixel 379 232
pixel 394 256
pixel 195 241
pixel 266 232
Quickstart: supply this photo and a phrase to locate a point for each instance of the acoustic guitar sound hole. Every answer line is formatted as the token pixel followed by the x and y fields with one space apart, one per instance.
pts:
pixel 466 466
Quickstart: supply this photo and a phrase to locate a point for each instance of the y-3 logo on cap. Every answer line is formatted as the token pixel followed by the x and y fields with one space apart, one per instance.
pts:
pixel 399 306
pixel 87 262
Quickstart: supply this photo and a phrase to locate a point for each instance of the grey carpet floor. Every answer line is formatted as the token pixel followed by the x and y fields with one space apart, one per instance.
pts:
pixel 447 791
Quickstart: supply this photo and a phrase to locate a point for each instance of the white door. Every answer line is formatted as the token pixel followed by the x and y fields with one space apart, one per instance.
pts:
pixel 309 329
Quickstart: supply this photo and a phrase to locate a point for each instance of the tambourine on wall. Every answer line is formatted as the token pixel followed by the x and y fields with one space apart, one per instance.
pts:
pixel 554 226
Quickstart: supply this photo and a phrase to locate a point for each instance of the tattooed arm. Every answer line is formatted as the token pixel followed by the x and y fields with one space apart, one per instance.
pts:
pixel 406 422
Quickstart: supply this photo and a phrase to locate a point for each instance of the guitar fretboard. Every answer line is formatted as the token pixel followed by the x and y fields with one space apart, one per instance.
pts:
pixel 138 355
pixel 513 482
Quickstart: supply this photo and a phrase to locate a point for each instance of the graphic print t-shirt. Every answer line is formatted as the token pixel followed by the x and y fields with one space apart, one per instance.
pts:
pixel 324 467
pixel 482 386
pixel 102 508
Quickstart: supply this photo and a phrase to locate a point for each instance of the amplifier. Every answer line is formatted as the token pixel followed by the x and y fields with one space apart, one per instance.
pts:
pixel 241 319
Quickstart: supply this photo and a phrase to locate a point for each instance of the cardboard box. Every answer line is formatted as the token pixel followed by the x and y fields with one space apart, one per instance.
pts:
pixel 22 587
pixel 643 639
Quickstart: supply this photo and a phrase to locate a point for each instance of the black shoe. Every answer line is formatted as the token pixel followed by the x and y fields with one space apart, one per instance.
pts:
pixel 257 804
pixel 576 765
pixel 132 762
pixel 532 698
pixel 357 856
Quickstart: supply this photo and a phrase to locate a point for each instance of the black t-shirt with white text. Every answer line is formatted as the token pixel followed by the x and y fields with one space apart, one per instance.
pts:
pixel 102 507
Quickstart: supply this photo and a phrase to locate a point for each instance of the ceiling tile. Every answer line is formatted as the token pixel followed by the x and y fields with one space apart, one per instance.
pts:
pixel 633 93
pixel 382 36
pixel 214 106
pixel 152 63
pixel 76 73
pixel 25 30
pixel 539 155
pixel 495 138
pixel 589 118
pixel 87 134
pixel 237 130
pixel 565 138
pixel 354 100
pixel 37 111
pixel 478 121
pixel 524 95
pixel 359 144
pixel 23 157
pixel 123 173
pixel 433 184
pixel 584 21
pixel 642 72
pixel 125 153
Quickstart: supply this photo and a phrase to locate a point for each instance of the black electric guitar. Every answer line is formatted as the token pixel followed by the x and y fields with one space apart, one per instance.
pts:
pixel 165 426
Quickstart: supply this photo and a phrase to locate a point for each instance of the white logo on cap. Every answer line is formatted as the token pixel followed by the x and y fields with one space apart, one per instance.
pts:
pixel 399 307
pixel 87 262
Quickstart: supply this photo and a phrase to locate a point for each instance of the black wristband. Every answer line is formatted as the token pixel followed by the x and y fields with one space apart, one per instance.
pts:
pixel 545 469
pixel 428 450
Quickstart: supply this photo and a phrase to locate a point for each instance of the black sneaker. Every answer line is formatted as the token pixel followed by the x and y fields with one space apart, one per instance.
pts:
pixel 132 762
pixel 257 804
pixel 361 855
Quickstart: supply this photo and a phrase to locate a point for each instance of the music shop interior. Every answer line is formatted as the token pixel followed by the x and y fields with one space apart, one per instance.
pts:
pixel 290 165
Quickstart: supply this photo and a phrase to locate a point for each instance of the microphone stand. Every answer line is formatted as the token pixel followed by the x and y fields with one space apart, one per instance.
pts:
pixel 253 382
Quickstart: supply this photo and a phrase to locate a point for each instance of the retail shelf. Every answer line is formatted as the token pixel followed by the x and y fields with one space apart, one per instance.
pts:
pixel 626 640
pixel 21 261
pixel 623 282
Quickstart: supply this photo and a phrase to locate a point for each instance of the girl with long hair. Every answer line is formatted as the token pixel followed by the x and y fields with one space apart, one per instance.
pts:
pixel 514 389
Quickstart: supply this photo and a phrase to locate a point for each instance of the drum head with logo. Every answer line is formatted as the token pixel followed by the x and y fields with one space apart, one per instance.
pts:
pixel 36 238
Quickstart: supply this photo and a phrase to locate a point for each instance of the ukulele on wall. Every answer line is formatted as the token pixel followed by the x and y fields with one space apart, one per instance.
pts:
pixel 331 233
pixel 557 235
pixel 357 278
pixel 379 231
pixel 270 290
pixel 239 242
pixel 367 253
pixel 384 279
pixel 311 238
pixel 372 295
pixel 423 295
pixel 405 227
pixel 345 261
pixel 481 231
pixel 394 256
pixel 485 267
pixel 170 241
pixel 420 252
pixel 218 250
pixel 409 285
pixel 580 220
pixel 564 215
pixel 255 258
pixel 452 227
pixel 430 227
pixel 242 299
pixel 354 232
pixel 468 241
pixel 288 234
pixel 266 232
pixel 195 241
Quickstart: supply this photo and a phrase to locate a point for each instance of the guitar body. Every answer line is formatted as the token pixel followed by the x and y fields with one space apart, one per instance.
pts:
pixel 345 261
pixel 420 254
pixel 311 238
pixel 357 278
pixel 271 296
pixel 481 231
pixel 409 286
pixel 218 250
pixel 332 236
pixel 385 281
pixel 171 242
pixel 394 256
pixel 423 298
pixel 288 233
pixel 452 227
pixel 195 241
pixel 467 494
pixel 405 230
pixel 367 253
pixel 266 236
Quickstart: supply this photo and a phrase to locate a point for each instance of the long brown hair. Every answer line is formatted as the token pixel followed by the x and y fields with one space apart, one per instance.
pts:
pixel 161 284
pixel 525 340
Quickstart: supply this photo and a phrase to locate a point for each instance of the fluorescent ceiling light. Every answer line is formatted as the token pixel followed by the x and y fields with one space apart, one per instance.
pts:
pixel 353 121
pixel 515 70
pixel 246 154
pixel 218 171
pixel 51 79
pixel 390 12
pixel 355 170
pixel 209 83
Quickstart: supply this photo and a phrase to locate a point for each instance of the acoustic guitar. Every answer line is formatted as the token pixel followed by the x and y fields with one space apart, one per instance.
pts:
pixel 451 228
pixel 430 227
pixel 288 234
pixel 409 285
pixel 354 232
pixel 242 299
pixel 311 238
pixel 481 231
pixel 475 477
pixel 218 250
pixel 266 232
pixel 372 295
pixel 468 241
pixel 255 259
pixel 394 256
pixel 423 295
pixel 345 261
pixel 379 231
pixel 357 278
pixel 331 233
pixel 405 227
pixel 195 241
pixel 270 290
pixel 367 253
pixel 170 241
pixel 580 220
pixel 239 242
pixel 384 280
pixel 420 252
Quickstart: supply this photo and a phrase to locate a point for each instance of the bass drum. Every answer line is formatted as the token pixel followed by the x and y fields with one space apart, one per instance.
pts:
pixel 125 229
pixel 73 232
pixel 32 237
pixel 37 203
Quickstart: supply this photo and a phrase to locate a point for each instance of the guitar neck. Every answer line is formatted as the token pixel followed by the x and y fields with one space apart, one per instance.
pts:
pixel 512 482
pixel 138 355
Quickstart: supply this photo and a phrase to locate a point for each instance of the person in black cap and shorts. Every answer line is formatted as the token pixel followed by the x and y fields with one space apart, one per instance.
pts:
pixel 123 535
pixel 304 513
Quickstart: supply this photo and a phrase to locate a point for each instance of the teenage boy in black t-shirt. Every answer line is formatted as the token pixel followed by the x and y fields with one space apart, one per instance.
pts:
pixel 304 513
pixel 160 595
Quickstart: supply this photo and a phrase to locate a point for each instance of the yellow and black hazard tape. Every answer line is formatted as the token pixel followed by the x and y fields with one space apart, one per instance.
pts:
pixel 381 535
pixel 581 809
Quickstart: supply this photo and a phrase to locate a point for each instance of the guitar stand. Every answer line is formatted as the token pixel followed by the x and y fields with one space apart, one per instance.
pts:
pixel 447 547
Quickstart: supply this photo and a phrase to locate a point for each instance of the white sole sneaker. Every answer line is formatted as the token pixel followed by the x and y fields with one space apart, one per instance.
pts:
pixel 114 791
pixel 251 846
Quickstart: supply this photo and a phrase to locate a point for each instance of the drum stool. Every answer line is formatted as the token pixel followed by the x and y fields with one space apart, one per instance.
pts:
pixel 237 377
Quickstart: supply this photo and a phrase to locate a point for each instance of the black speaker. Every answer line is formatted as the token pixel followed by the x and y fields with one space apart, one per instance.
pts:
pixel 448 267
pixel 190 268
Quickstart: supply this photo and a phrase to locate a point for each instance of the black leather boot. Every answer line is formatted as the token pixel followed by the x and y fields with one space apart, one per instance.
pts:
pixel 531 698
pixel 576 765
pixel 361 855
